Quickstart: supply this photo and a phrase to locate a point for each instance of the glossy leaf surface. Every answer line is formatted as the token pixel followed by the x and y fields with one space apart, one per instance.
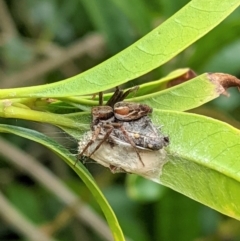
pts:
pixel 203 161
pixel 159 46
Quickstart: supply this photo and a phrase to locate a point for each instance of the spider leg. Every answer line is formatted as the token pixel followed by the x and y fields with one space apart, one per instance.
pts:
pixel 115 169
pixel 120 95
pixel 130 141
pixel 126 93
pixel 94 137
pixel 108 133
pixel 115 97
pixel 100 98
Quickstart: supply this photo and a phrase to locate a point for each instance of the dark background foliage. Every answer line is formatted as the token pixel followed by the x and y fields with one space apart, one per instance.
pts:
pixel 47 41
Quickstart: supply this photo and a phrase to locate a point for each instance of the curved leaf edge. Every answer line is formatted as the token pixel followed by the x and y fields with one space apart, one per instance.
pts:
pixel 81 171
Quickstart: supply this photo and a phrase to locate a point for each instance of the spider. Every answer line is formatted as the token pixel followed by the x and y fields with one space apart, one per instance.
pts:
pixel 126 122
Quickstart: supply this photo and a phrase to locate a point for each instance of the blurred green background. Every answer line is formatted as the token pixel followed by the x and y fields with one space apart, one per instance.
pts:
pixel 47 41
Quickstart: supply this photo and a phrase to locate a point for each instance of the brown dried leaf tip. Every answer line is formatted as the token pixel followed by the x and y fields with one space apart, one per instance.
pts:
pixel 190 74
pixel 223 82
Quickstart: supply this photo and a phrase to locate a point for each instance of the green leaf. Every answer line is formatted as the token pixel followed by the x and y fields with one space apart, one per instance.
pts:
pixel 203 161
pixel 145 89
pixel 79 169
pixel 159 85
pixel 181 211
pixel 188 95
pixel 185 96
pixel 143 189
pixel 185 27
